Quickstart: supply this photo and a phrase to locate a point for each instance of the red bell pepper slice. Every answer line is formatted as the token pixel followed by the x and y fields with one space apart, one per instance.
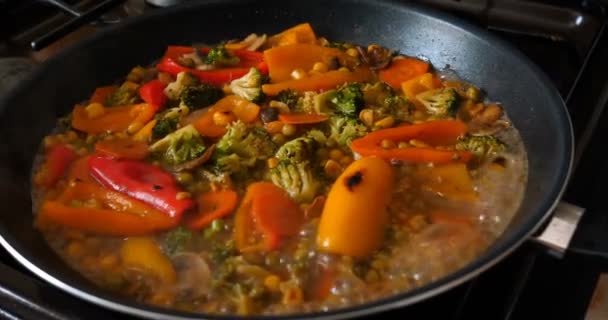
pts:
pixel 216 77
pixel 211 206
pixel 153 93
pixel 58 158
pixel 142 181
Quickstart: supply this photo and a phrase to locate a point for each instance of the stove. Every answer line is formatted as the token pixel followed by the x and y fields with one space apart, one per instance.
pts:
pixel 568 39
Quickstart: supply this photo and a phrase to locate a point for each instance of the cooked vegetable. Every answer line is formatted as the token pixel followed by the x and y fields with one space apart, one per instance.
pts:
pixel 358 199
pixel 440 103
pixel 153 93
pixel 481 146
pixel 348 99
pixel 126 94
pixel 344 130
pixel 116 119
pixel 125 148
pixel 294 172
pixel 164 126
pixel 220 57
pixel 249 86
pixel 339 179
pixel 183 80
pixel 144 254
pixel 323 81
pixel 246 141
pixel 265 215
pixel 200 96
pixel 58 158
pixel 180 146
pixel 288 97
pixel 403 69
pixel 142 181
pixel 433 133
pixel 212 206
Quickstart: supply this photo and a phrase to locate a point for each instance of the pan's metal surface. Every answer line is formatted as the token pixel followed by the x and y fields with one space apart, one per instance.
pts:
pixel 534 106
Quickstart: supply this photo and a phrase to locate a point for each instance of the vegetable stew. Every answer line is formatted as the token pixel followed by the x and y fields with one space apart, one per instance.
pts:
pixel 277 174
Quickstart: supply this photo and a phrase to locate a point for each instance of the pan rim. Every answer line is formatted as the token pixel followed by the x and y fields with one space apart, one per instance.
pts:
pixel 465 273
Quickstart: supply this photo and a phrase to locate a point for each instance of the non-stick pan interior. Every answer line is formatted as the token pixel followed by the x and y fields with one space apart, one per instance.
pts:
pixel 30 112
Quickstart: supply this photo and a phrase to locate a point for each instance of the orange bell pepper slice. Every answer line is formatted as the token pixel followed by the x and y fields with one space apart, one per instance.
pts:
pixel 451 180
pixel 434 133
pixel 301 33
pixel 241 108
pixel 401 70
pixel 320 82
pixel 212 206
pixel 125 148
pixel 115 214
pixel 101 94
pixel 265 215
pixel 302 118
pixel 58 158
pixel 283 60
pixel 421 83
pixel 114 119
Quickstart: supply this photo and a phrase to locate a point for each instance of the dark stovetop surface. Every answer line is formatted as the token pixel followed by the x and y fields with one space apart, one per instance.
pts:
pixel 528 284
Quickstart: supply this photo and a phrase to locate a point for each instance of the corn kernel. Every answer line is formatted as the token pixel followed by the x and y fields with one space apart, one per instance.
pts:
pixel 344 69
pixel 367 117
pixel 298 74
pixel 95 110
pixel 184 177
pixel 223 118
pixel 134 127
pixel 332 168
pixel 353 52
pixel 403 145
pixel 183 195
pixel 320 67
pixel 387 144
pixel 386 122
pixel 418 144
pixel 272 162
pixel 288 130
pixel 272 282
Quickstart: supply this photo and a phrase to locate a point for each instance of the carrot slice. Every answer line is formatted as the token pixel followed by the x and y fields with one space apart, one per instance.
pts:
pixel 274 212
pixel 302 118
pixel 126 148
pixel 283 60
pixel 213 205
pixel 402 70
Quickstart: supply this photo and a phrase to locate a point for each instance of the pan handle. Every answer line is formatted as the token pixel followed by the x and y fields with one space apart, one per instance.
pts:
pixel 560 230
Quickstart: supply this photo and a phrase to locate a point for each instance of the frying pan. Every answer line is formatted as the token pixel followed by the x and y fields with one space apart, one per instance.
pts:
pixel 30 112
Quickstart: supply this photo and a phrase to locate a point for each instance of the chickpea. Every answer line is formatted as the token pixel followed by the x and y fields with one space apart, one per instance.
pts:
pixel 346 160
pixel 95 110
pixel 473 94
pixel 288 130
pixel 278 138
pixel 353 52
pixel 272 162
pixel 490 114
pixel 298 74
pixel 320 67
pixel 387 144
pixel 367 117
pixel 336 154
pixel 418 143
pixel 386 122
pixel 332 168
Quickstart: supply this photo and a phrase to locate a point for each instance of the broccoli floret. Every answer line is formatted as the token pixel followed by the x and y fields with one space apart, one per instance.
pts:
pixel 126 94
pixel 481 146
pixel 348 99
pixel 241 147
pixel 182 81
pixel 344 129
pixel 294 173
pixel 384 101
pixel 247 142
pixel 440 103
pixel 177 239
pixel 220 57
pixel 163 127
pixel 288 97
pixel 200 96
pixel 249 86
pixel 180 146
pixel 297 179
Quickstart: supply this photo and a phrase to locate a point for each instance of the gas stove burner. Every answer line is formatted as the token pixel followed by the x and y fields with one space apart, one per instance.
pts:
pixel 164 3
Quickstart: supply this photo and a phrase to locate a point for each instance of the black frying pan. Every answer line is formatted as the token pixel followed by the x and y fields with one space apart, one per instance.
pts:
pixel 31 110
